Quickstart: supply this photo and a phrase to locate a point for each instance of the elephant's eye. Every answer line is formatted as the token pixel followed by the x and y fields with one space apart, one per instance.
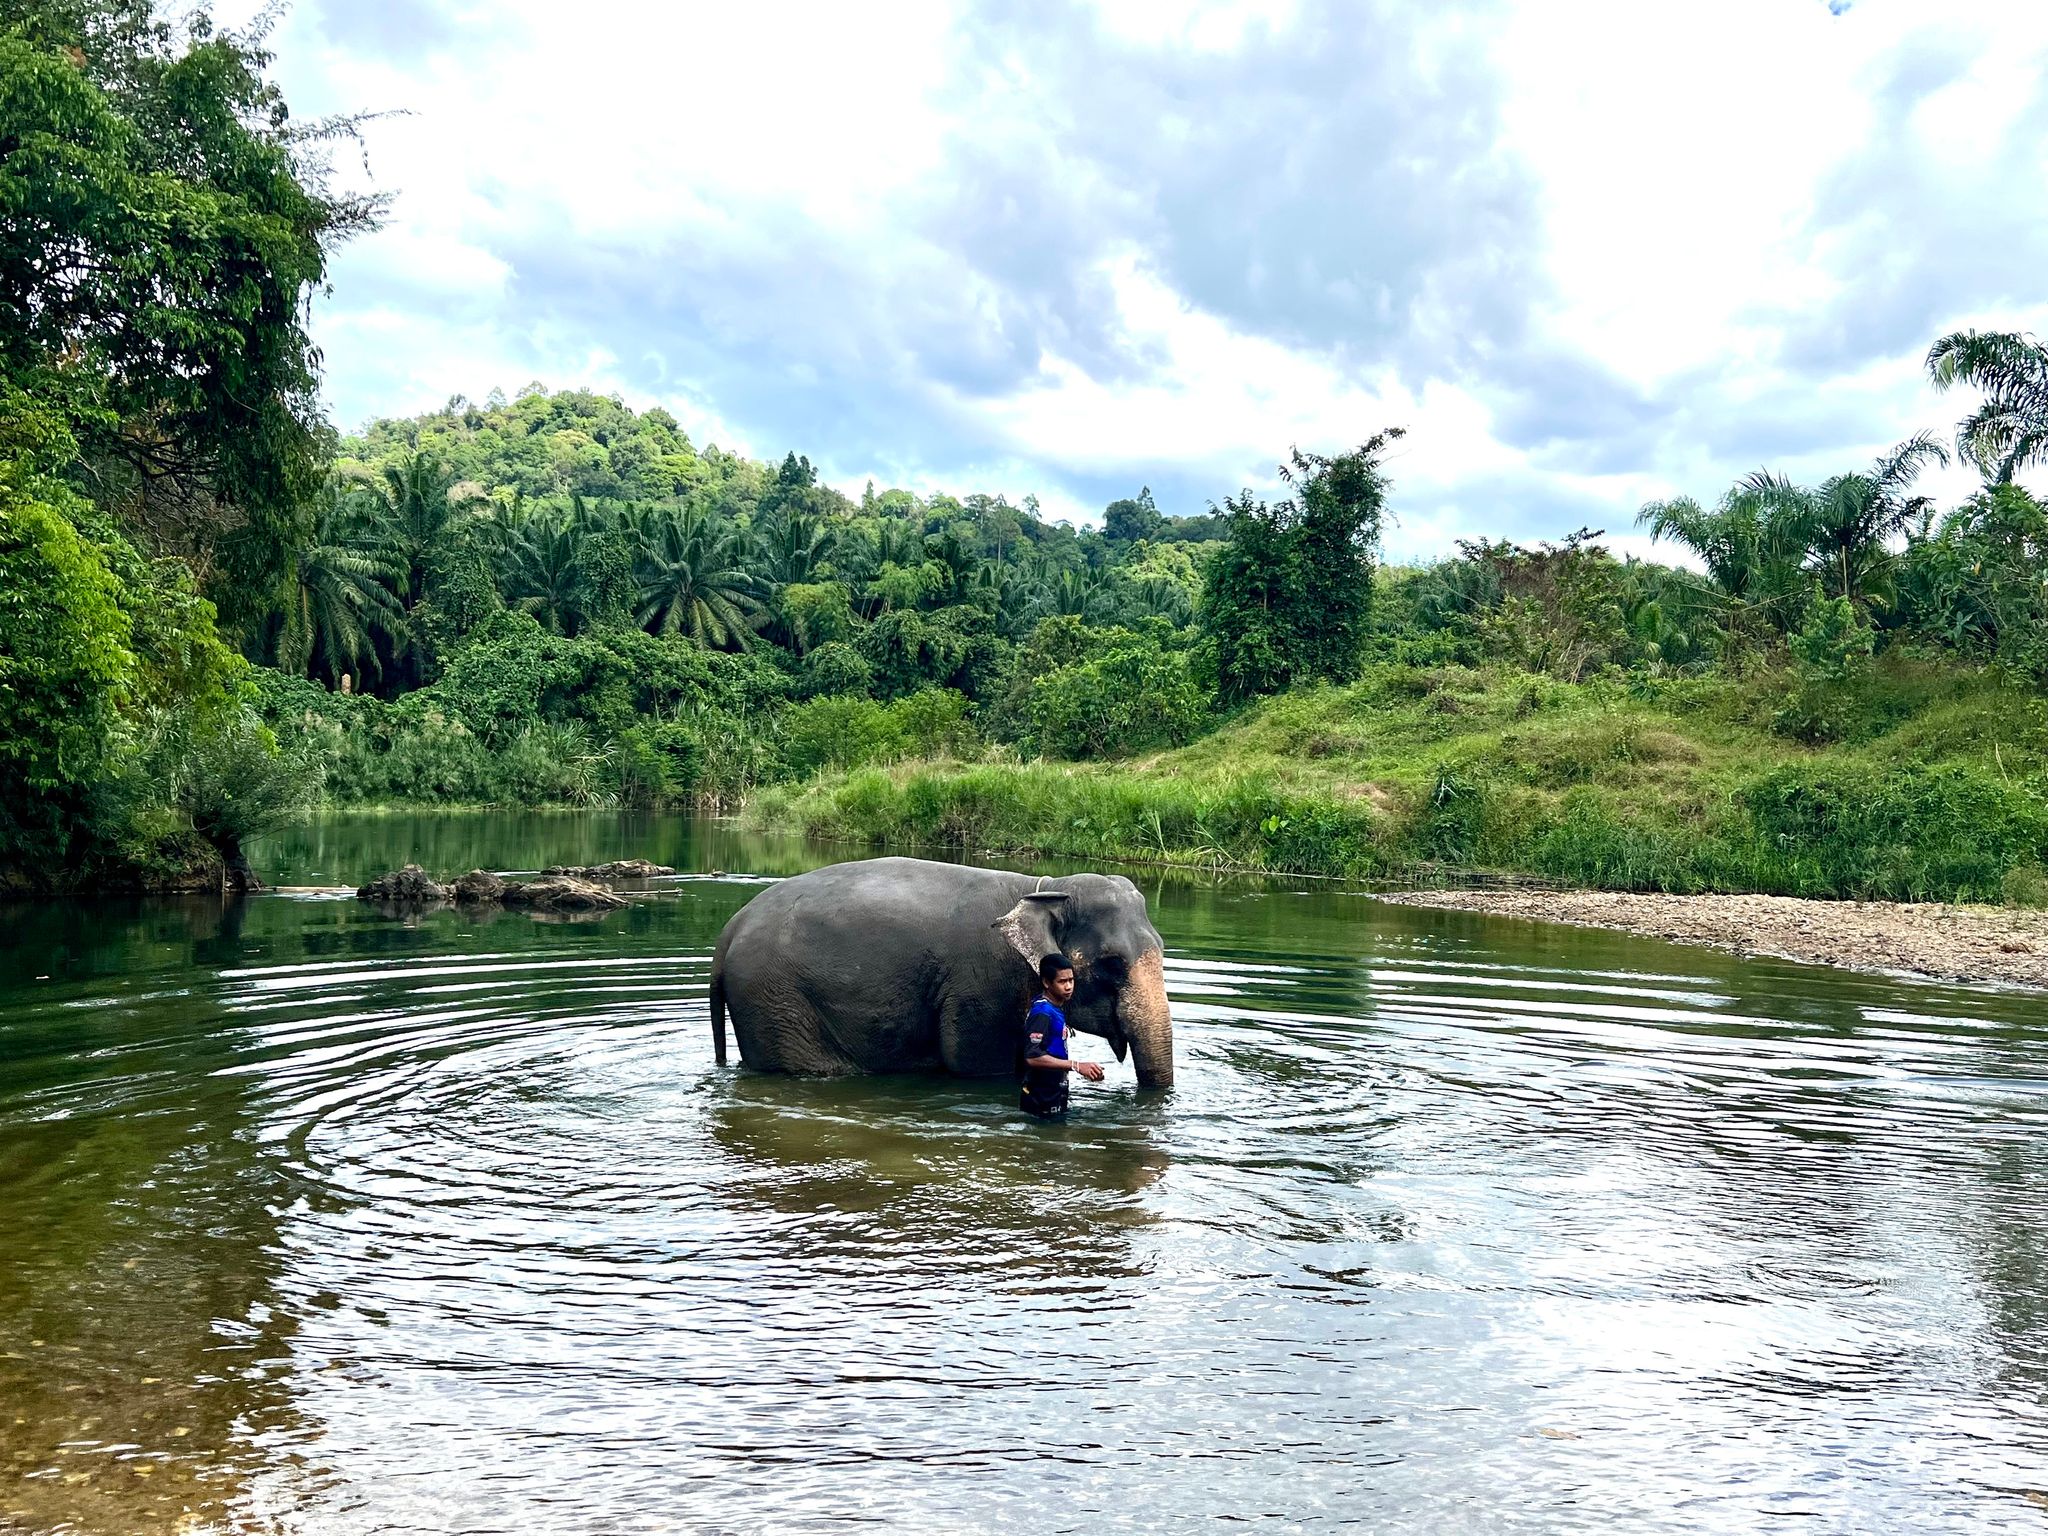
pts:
pixel 1111 965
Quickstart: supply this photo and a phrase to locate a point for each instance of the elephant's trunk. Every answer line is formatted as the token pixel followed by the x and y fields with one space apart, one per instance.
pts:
pixel 1142 1014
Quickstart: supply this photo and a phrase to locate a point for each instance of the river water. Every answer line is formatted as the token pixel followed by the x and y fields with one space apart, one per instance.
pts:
pixel 316 1220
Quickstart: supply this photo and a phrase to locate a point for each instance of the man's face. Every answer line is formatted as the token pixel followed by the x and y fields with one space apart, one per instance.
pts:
pixel 1060 989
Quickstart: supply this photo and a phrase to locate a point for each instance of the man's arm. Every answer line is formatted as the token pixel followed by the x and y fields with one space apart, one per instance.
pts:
pixel 1088 1069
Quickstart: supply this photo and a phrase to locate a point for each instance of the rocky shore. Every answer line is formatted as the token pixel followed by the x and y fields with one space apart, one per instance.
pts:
pixel 1952 943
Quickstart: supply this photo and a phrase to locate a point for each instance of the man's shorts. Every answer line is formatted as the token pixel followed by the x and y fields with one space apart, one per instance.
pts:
pixel 1043 1106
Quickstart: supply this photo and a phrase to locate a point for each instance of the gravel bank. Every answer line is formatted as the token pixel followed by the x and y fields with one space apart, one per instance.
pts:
pixel 2000 944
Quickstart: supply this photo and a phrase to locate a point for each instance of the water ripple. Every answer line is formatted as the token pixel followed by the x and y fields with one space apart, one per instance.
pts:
pixel 448 1228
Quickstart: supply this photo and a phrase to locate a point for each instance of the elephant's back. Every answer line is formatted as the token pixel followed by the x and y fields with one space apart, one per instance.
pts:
pixel 884 898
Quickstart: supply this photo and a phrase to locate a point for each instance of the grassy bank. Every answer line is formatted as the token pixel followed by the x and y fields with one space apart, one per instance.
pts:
pixel 1933 789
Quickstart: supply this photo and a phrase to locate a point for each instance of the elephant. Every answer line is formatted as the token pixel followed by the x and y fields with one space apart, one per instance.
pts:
pixel 904 965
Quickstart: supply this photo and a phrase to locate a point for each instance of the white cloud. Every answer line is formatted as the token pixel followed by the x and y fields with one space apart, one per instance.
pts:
pixel 1586 254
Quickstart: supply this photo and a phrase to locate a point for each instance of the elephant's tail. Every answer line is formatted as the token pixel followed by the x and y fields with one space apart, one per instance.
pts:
pixel 718 1008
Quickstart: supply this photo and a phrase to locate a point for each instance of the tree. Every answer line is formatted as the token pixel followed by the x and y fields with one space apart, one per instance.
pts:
pixel 340 595
pixel 694 581
pixel 1980 584
pixel 1337 503
pixel 96 645
pixel 794 546
pixel 66 659
pixel 540 570
pixel 415 506
pixel 162 225
pixel 1748 550
pixel 1849 519
pixel 815 614
pixel 1082 593
pixel 1130 519
pixel 1289 596
pixel 2009 431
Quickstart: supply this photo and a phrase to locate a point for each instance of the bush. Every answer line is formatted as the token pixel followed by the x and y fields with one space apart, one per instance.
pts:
pixel 932 721
pixel 553 765
pixel 838 733
pixel 1896 833
pixel 659 763
pixel 2025 886
pixel 1129 697
pixel 836 668
pixel 851 732
pixel 230 780
pixel 1832 650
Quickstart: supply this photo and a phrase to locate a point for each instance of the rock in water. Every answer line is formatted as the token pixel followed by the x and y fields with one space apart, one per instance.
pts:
pixel 560 893
pixel 617 869
pixel 409 886
pixel 478 887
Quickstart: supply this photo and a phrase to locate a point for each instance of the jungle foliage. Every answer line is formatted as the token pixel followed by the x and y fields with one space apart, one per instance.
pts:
pixel 163 222
pixel 214 611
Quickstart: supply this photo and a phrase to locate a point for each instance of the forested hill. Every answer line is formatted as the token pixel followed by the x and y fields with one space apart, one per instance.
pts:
pixel 214 615
pixel 553 447
pixel 543 446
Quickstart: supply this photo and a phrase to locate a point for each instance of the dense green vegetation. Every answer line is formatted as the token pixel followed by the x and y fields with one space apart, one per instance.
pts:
pixel 162 222
pixel 214 611
pixel 1845 699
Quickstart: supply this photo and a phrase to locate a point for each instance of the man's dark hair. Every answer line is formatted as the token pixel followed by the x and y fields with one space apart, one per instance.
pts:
pixel 1052 965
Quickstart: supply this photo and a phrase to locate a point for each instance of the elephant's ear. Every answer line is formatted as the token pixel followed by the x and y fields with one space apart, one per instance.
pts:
pixel 1030 926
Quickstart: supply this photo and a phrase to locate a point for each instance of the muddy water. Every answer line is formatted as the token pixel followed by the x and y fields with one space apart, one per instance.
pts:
pixel 312 1220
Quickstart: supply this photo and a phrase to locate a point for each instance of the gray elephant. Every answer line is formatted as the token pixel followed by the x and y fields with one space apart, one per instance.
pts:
pixel 900 965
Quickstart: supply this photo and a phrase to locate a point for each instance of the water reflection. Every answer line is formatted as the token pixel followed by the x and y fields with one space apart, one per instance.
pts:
pixel 1449 1224
pixel 144 1355
pixel 930 1182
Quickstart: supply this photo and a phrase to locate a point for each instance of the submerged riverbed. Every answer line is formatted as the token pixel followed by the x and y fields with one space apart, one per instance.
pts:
pixel 315 1220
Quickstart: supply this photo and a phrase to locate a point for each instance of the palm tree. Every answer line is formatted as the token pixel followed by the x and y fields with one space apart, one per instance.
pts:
pixel 341 595
pixel 694 581
pixel 1005 593
pixel 2009 431
pixel 414 508
pixel 1749 543
pixel 1161 595
pixel 793 546
pixel 1847 521
pixel 539 572
pixel 1080 593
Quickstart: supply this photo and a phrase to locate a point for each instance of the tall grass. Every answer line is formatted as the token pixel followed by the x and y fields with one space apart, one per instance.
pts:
pixel 1643 788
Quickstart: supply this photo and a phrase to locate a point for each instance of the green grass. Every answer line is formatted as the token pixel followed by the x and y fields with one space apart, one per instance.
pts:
pixel 1673 786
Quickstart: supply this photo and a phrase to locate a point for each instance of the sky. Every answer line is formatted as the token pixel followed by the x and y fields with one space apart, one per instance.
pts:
pixel 1587 253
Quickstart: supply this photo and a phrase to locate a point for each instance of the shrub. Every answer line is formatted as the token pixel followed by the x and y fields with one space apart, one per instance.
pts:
pixel 659 763
pixel 932 721
pixel 1128 696
pixel 2025 886
pixel 552 765
pixel 851 732
pixel 1899 833
pixel 836 668
pixel 838 733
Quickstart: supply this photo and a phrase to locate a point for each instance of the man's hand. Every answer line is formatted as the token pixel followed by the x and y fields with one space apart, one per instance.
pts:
pixel 1091 1070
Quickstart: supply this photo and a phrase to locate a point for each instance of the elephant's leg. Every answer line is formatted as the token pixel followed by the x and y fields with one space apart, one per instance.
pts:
pixel 780 1030
pixel 978 1036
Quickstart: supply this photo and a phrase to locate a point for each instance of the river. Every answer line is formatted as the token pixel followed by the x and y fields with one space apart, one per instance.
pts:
pixel 315 1220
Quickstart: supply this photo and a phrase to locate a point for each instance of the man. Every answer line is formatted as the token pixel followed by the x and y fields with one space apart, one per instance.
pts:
pixel 1044 1046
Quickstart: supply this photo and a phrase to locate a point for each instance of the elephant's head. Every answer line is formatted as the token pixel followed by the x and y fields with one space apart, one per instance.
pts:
pixel 1100 924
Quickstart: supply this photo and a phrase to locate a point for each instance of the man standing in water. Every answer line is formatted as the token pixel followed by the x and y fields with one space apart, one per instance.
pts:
pixel 1044 1045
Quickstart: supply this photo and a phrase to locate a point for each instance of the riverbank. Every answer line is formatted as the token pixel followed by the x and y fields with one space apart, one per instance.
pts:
pixel 1934 939
pixel 1682 784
